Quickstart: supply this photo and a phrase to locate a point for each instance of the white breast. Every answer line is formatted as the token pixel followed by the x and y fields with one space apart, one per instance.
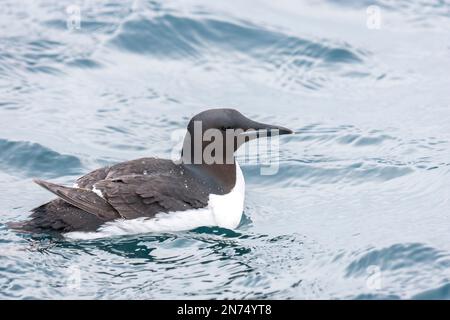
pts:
pixel 223 210
pixel 227 209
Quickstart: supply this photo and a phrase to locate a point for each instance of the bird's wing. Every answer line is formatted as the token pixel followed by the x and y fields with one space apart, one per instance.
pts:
pixel 87 181
pixel 58 216
pixel 136 196
pixel 133 167
pixel 83 199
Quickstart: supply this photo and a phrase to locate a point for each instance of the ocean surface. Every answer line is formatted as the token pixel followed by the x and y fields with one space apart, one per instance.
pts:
pixel 360 205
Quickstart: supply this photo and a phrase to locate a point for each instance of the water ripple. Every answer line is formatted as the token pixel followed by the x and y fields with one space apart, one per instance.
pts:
pixel 399 256
pixel 32 159
pixel 441 293
pixel 294 60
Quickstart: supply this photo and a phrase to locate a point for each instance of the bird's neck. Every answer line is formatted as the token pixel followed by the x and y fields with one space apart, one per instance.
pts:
pixel 221 176
pixel 219 167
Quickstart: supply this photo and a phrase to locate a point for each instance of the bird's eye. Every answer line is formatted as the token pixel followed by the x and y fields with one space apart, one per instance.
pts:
pixel 225 128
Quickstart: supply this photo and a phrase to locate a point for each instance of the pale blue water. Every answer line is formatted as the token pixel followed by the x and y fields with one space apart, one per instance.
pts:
pixel 360 206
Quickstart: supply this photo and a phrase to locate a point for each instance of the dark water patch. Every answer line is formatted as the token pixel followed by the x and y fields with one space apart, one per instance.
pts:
pixel 188 255
pixel 120 146
pixel 45 69
pixel 84 63
pixel 340 55
pixel 379 296
pixel 131 247
pixel 58 24
pixel 348 139
pixel 34 160
pixel 9 106
pixel 441 293
pixel 226 233
pixel 44 45
pixel 359 74
pixel 366 141
pixel 118 129
pixel 159 37
pixel 398 256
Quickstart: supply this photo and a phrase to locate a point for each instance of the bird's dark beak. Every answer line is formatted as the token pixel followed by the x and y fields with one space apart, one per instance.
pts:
pixel 257 129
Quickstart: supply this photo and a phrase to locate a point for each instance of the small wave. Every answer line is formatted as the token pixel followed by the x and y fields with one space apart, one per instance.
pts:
pixel 320 154
pixel 84 63
pixel 9 105
pixel 286 59
pixel 328 155
pixel 170 36
pixel 398 256
pixel 32 159
pixel 299 173
pixel 440 293
pixel 39 49
pixel 37 56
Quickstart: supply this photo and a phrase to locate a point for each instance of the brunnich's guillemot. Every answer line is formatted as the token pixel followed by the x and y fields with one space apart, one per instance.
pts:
pixel 161 195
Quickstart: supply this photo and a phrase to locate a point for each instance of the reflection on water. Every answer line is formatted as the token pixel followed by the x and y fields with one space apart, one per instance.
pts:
pixel 359 206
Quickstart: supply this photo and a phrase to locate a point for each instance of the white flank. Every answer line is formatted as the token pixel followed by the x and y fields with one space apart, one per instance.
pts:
pixel 222 210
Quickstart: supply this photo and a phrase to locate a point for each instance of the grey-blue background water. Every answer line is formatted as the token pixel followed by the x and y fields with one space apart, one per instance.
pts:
pixel 360 206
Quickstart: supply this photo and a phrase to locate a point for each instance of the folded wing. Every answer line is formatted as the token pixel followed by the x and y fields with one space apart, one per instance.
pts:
pixel 83 199
pixel 134 196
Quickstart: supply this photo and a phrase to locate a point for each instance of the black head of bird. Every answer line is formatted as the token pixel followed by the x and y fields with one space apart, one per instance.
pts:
pixel 214 135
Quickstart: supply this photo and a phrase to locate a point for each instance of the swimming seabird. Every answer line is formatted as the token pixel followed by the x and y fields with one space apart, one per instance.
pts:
pixel 159 194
